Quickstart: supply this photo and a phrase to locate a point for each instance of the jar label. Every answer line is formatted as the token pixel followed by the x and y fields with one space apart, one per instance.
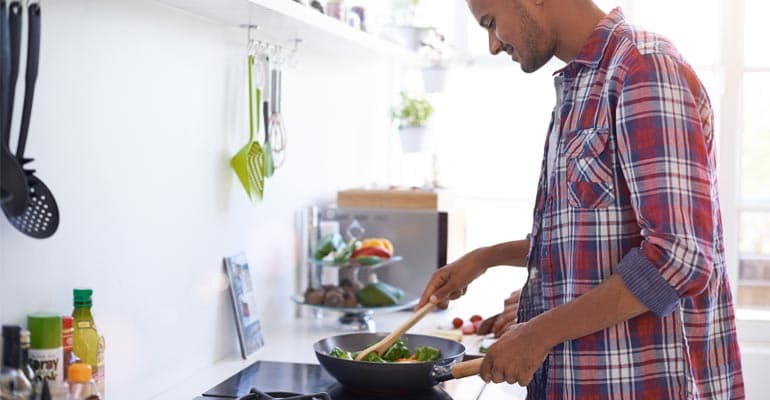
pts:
pixel 47 363
pixel 84 324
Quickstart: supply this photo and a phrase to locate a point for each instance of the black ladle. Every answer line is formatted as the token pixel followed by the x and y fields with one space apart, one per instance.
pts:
pixel 41 217
pixel 14 195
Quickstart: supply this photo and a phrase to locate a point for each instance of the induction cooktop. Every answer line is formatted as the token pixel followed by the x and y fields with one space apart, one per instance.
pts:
pixel 281 379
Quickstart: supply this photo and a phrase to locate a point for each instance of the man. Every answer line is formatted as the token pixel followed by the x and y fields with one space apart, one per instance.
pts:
pixel 627 295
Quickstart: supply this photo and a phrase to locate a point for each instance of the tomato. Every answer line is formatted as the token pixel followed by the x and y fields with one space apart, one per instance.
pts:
pixel 476 317
pixel 469 329
pixel 457 322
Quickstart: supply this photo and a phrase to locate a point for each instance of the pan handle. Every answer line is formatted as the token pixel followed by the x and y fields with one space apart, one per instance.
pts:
pixel 457 371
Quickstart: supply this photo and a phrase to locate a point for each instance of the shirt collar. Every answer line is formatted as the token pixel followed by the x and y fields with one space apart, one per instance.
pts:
pixel 593 50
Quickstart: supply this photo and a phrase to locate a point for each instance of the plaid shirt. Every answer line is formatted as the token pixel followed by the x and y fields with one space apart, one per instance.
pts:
pixel 633 192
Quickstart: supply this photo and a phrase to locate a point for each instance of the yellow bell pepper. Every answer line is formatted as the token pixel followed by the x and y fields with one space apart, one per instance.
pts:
pixel 378 242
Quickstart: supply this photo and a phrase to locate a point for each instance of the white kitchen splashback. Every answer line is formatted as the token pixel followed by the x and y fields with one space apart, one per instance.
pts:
pixel 137 112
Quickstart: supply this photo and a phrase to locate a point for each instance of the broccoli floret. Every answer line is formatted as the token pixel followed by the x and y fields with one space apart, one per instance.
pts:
pixel 396 351
pixel 373 357
pixel 339 353
pixel 427 353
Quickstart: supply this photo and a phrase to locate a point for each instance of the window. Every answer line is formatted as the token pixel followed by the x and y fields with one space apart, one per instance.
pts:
pixel 501 131
pixel 754 203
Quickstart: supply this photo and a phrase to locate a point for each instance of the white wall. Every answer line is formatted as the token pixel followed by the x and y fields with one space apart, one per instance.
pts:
pixel 138 109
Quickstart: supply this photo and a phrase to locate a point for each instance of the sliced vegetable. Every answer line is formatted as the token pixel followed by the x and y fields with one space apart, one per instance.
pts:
pixel 379 294
pixel 367 260
pixel 343 255
pixel 427 353
pixel 339 353
pixel 396 351
pixel 373 357
pixel 379 242
pixel 328 244
pixel 468 329
pixel 371 251
pixel 486 344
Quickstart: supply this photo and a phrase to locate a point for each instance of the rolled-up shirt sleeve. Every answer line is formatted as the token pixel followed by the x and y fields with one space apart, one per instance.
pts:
pixel 664 157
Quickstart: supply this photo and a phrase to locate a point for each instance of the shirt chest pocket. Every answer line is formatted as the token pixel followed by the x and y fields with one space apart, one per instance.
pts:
pixel 589 168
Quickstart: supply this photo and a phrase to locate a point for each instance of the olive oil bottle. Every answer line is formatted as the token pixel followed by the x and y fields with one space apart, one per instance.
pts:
pixel 87 342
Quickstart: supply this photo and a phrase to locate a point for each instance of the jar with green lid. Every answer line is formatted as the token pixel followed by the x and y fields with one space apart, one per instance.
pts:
pixel 45 351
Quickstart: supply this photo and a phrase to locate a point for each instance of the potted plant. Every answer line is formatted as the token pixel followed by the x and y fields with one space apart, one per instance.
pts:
pixel 412 116
pixel 404 25
pixel 435 53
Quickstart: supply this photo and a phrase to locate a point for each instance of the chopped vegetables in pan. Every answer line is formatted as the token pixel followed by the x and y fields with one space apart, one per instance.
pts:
pixel 397 352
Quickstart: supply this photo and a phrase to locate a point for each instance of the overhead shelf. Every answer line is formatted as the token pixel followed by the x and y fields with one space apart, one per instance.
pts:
pixel 284 21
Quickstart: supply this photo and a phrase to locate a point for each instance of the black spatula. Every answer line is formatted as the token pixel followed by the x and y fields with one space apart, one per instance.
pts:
pixel 14 194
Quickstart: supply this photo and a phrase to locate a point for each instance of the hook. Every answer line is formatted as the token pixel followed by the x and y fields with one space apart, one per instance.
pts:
pixel 279 55
pixel 250 40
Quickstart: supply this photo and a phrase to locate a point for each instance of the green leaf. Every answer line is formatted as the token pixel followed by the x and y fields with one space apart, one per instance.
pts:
pixel 427 353
pixel 339 353
pixel 396 351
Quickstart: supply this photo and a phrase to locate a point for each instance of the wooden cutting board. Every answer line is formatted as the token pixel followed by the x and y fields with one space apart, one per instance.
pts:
pixel 394 198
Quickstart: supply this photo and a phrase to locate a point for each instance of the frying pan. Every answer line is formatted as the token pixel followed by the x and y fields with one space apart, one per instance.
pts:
pixel 393 377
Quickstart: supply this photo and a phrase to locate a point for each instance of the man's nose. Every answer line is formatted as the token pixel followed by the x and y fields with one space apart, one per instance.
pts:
pixel 495 45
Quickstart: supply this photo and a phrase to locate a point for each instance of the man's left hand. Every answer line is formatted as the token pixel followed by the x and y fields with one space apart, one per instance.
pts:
pixel 515 356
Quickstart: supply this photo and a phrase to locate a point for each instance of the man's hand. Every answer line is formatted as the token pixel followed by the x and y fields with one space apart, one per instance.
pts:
pixel 501 322
pixel 515 356
pixel 451 281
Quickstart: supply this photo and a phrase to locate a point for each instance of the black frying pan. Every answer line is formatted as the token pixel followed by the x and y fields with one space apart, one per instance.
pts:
pixel 394 377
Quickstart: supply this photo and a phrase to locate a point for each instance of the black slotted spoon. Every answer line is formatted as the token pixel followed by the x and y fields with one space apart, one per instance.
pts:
pixel 41 217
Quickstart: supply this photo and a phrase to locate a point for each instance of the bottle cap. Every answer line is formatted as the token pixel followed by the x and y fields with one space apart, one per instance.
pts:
pixel 82 297
pixel 79 372
pixel 11 331
pixel 24 338
pixel 66 322
pixel 45 330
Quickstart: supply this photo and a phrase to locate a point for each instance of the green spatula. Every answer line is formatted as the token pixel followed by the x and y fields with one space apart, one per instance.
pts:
pixel 248 162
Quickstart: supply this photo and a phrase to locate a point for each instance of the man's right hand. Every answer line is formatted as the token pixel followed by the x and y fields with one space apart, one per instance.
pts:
pixel 451 281
pixel 501 322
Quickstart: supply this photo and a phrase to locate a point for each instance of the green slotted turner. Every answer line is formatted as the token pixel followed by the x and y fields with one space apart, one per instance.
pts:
pixel 248 162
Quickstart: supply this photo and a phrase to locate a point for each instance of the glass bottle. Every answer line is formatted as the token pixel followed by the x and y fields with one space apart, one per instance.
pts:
pixel 82 385
pixel 87 342
pixel 25 366
pixel 13 384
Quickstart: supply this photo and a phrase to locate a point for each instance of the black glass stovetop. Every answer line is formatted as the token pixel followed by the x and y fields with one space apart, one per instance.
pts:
pixel 268 376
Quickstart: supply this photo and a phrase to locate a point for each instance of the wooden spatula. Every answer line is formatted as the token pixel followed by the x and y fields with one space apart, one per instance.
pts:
pixel 387 341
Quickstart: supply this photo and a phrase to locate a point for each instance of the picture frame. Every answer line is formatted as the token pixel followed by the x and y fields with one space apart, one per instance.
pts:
pixel 244 303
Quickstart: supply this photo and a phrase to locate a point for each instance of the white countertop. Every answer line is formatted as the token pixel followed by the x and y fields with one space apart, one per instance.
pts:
pixel 293 342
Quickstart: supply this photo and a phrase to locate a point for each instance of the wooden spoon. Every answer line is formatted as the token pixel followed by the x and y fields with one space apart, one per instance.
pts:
pixel 383 344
